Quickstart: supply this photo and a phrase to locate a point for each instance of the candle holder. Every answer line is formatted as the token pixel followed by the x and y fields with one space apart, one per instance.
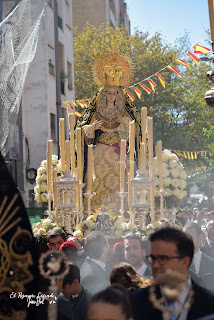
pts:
pixel 162 193
pixel 122 196
pixel 81 185
pixel 131 216
pixel 89 196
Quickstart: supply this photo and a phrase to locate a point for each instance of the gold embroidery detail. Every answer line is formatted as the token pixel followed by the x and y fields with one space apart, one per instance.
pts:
pixel 109 138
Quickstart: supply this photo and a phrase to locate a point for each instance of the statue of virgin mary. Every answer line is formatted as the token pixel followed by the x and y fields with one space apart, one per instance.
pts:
pixel 104 123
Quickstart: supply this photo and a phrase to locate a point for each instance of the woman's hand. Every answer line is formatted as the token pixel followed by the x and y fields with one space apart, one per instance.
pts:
pixel 97 124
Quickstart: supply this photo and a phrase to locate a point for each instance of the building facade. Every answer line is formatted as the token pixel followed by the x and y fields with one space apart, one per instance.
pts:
pixel 100 12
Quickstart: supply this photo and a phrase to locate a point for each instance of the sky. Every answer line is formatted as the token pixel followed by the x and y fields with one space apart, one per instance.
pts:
pixel 172 18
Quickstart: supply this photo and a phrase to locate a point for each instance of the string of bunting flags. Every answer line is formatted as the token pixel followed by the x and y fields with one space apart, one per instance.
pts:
pixel 192 155
pixel 198 49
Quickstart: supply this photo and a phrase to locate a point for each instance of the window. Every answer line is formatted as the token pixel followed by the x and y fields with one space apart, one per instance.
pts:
pixel 67 15
pixel 60 22
pixel 51 68
pixel 53 127
pixel 51 60
pixel 69 71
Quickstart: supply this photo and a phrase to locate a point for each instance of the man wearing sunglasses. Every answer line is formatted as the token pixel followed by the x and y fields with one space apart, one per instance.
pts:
pixel 172 249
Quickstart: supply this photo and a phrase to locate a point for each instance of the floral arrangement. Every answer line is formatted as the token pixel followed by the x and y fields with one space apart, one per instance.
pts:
pixel 174 176
pixel 40 190
pixel 118 228
pixel 40 230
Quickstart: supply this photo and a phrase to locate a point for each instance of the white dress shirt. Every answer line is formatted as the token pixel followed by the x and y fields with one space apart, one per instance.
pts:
pixel 141 270
pixel 182 299
pixel 197 260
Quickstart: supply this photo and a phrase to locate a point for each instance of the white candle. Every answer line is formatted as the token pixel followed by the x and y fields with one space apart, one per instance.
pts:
pixel 49 163
pixel 76 171
pixel 122 163
pixel 90 168
pixel 72 148
pixel 151 169
pixel 79 151
pixel 54 188
pixel 142 156
pixel 131 146
pixel 160 163
pixel 129 190
pixel 143 123
pixel 68 156
pixel 62 141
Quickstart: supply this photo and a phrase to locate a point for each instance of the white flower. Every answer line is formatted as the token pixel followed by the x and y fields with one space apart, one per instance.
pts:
pixel 180 166
pixel 183 184
pixel 149 226
pixel 173 163
pixel 165 156
pixel 130 226
pixel 166 151
pixel 184 193
pixel 89 223
pixel 166 181
pixel 35 230
pixel 78 234
pixel 44 177
pixel 183 175
pixel 118 233
pixel 157 224
pixel 174 157
pixel 165 165
pixel 43 187
pixel 47 224
pixel 58 167
pixel 41 170
pixel 37 189
pixel 79 227
pixel 37 197
pixel 168 191
pixel 37 235
pixel 165 172
pixel 54 159
pixel 44 164
pixel 175 172
pixel 38 179
pixel 42 231
pixel 175 183
pixel 44 197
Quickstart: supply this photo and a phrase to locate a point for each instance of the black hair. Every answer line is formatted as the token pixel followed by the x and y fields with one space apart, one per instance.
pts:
pixel 74 273
pixel 135 236
pixel 183 241
pixel 94 244
pixel 195 226
pixel 115 295
pixel 56 232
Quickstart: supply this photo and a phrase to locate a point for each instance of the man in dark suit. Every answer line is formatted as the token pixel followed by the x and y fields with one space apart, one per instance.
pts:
pixel 135 252
pixel 209 243
pixel 172 249
pixel 72 303
pixel 202 264
pixel 93 271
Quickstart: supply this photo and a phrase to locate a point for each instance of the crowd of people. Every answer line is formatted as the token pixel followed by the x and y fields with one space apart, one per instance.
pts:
pixel 114 281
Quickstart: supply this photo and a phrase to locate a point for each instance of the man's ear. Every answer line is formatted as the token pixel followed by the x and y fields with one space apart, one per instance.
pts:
pixel 186 261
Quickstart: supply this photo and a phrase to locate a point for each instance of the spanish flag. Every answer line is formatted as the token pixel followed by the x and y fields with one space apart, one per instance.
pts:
pixel 162 81
pixel 152 84
pixel 85 103
pixel 145 87
pixel 182 62
pixel 200 49
pixel 77 114
pixel 130 95
pixel 137 91
pixel 74 103
pixel 174 70
pixel 68 104
pixel 82 105
pixel 194 58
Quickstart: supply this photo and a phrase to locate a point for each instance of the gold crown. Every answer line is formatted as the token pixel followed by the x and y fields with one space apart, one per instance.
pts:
pixel 113 70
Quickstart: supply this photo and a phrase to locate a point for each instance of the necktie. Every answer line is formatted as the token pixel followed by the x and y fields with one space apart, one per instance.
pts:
pixel 173 315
